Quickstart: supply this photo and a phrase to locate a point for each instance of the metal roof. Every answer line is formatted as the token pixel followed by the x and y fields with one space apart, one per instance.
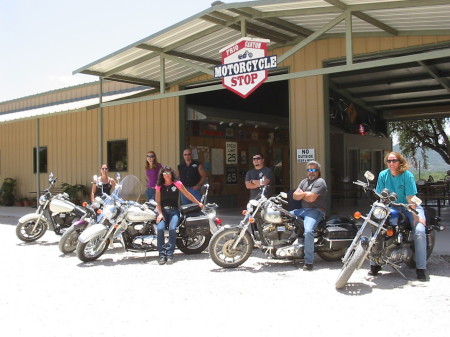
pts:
pixel 191 47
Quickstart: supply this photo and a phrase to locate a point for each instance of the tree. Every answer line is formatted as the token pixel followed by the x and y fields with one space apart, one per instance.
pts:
pixel 421 135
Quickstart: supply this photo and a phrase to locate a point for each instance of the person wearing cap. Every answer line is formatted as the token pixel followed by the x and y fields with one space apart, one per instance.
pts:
pixel 312 192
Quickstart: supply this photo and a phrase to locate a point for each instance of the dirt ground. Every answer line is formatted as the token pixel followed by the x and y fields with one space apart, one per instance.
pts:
pixel 44 293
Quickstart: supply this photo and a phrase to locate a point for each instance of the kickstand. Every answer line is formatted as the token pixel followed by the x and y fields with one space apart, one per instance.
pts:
pixel 397 269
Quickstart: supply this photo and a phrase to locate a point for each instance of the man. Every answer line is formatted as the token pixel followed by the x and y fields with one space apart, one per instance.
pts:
pixel 312 192
pixel 192 174
pixel 259 176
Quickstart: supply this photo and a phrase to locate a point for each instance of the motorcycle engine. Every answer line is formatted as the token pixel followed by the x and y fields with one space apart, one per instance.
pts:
pixel 64 219
pixel 278 234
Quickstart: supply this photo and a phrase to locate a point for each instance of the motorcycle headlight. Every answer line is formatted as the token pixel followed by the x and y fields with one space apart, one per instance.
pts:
pixel 109 211
pixel 42 200
pixel 380 213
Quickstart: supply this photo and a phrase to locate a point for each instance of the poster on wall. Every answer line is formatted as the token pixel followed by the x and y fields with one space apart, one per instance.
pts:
pixel 217 162
pixel 231 154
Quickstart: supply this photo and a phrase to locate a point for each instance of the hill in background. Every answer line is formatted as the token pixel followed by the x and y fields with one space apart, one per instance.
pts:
pixel 435 162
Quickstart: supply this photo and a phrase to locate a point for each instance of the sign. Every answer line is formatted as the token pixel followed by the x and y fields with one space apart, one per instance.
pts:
pixel 244 65
pixel 305 155
pixel 231 153
pixel 231 175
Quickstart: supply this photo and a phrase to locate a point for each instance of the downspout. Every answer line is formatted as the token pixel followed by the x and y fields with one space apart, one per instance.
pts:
pixel 100 124
pixel 38 184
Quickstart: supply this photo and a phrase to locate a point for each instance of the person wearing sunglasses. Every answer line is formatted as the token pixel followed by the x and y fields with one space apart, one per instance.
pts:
pixel 107 184
pixel 192 174
pixel 259 176
pixel 397 178
pixel 168 189
pixel 152 168
pixel 312 192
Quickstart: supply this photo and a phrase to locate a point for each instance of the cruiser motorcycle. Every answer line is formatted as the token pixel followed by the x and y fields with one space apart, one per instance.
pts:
pixel 134 225
pixel 279 234
pixel 391 242
pixel 54 211
pixel 69 239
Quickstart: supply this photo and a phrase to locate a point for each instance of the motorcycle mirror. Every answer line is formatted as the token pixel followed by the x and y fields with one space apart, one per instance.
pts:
pixel 416 200
pixel 95 178
pixel 118 176
pixel 283 195
pixel 50 176
pixel 369 175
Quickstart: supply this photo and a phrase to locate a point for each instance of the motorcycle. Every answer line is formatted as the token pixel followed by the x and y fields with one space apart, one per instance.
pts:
pixel 134 225
pixel 69 239
pixel 54 211
pixel 279 234
pixel 390 243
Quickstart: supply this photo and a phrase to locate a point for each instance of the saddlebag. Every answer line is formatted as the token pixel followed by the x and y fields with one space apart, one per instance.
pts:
pixel 339 236
pixel 197 225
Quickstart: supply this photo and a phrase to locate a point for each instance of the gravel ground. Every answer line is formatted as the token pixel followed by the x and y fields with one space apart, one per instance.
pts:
pixel 44 293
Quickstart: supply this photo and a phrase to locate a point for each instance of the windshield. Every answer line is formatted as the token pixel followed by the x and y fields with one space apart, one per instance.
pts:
pixel 129 188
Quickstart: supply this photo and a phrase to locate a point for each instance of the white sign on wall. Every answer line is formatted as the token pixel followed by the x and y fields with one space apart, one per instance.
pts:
pixel 231 153
pixel 305 155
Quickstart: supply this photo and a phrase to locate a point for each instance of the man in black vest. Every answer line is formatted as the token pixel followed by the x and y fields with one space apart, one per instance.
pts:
pixel 192 174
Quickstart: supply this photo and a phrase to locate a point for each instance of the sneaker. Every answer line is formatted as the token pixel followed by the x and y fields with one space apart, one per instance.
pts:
pixel 374 270
pixel 162 260
pixel 308 267
pixel 169 260
pixel 421 275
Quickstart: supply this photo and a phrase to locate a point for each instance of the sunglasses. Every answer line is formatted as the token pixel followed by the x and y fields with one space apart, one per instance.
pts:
pixel 105 168
pixel 257 158
pixel 187 154
pixel 392 160
pixel 166 173
pixel 150 156
pixel 312 170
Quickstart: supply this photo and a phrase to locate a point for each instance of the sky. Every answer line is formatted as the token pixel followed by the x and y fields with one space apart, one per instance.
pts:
pixel 44 41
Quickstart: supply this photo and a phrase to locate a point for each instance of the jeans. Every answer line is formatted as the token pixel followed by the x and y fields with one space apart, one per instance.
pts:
pixel 196 193
pixel 150 193
pixel 171 217
pixel 311 218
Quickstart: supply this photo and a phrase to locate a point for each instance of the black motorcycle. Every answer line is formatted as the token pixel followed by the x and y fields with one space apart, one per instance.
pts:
pixel 391 243
pixel 279 234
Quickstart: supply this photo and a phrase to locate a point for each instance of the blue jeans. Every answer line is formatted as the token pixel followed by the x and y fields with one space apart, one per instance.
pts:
pixel 311 218
pixel 196 193
pixel 171 217
pixel 150 193
pixel 420 236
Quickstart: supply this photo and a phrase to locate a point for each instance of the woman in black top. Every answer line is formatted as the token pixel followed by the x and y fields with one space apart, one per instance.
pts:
pixel 108 184
pixel 167 192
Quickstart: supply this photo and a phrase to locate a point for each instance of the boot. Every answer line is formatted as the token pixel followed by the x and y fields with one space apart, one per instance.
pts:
pixel 421 275
pixel 374 270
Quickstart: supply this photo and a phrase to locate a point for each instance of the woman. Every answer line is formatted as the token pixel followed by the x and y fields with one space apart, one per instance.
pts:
pixel 398 179
pixel 152 168
pixel 168 190
pixel 108 184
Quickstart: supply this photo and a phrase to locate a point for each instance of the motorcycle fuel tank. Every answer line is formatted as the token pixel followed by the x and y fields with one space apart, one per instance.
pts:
pixel 61 206
pixel 136 214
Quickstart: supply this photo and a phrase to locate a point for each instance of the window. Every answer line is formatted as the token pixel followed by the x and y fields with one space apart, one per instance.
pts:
pixel 117 155
pixel 42 160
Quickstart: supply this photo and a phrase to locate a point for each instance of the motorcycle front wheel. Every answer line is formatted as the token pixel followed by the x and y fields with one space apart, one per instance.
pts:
pixel 25 232
pixel 221 248
pixel 349 267
pixel 69 240
pixel 193 244
pixel 92 249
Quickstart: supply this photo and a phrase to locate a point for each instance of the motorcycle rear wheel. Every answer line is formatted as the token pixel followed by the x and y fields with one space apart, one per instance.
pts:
pixel 24 230
pixel 334 255
pixel 69 240
pixel 92 249
pixel 193 244
pixel 221 252
pixel 349 267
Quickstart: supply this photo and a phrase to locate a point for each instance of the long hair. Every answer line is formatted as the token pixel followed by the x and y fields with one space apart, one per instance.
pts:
pixel 403 163
pixel 155 162
pixel 160 181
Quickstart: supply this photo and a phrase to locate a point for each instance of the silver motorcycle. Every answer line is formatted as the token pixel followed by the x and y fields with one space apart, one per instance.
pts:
pixel 390 243
pixel 54 212
pixel 134 225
